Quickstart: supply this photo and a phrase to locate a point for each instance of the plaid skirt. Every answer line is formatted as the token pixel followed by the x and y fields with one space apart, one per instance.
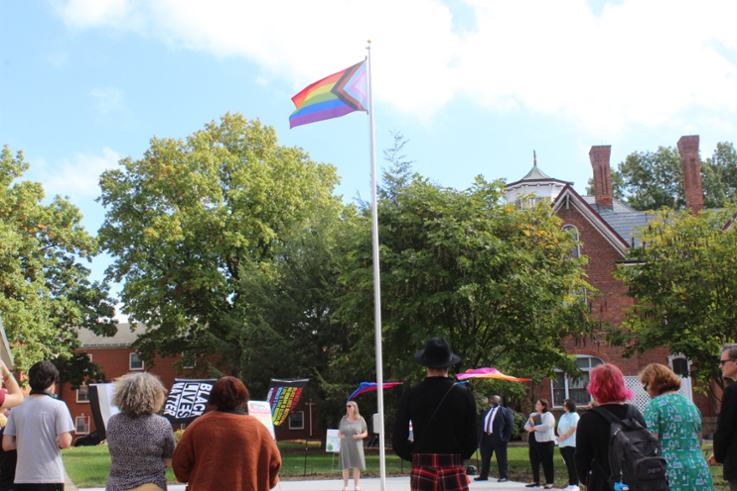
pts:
pixel 438 472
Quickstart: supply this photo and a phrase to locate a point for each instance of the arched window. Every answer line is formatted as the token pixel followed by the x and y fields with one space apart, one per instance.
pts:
pixel 567 387
pixel 576 252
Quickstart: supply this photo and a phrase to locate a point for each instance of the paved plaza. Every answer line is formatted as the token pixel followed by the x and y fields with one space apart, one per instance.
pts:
pixel 371 484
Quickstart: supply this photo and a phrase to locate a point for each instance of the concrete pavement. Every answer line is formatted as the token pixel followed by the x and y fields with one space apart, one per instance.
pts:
pixel 370 484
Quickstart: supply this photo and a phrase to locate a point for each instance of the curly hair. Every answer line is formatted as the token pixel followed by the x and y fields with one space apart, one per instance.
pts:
pixel 228 393
pixel 606 384
pixel 658 379
pixel 139 393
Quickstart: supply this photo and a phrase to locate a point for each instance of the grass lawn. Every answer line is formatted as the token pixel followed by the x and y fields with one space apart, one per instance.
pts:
pixel 90 466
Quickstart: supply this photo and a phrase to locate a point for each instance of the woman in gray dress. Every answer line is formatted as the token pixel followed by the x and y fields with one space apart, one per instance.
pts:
pixel 352 431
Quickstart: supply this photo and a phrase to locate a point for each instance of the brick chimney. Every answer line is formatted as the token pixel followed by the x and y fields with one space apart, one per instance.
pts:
pixel 688 147
pixel 599 156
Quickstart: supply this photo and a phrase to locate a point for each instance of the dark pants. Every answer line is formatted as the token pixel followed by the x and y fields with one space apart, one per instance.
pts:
pixel 542 452
pixel 489 445
pixel 567 454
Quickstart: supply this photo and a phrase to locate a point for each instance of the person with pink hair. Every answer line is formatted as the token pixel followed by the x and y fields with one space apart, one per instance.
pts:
pixel 606 386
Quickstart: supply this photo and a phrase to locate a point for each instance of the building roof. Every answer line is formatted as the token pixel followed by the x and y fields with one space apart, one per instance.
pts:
pixel 534 174
pixel 126 335
pixel 623 219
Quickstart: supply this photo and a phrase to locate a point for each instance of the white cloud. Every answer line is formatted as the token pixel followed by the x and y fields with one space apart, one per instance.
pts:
pixel 96 13
pixel 79 176
pixel 635 63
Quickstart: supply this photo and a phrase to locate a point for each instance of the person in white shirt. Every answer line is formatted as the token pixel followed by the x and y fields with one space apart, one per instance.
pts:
pixel 38 429
pixel 542 424
pixel 567 441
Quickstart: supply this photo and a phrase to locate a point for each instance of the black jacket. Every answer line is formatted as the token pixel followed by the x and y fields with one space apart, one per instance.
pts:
pixel 452 430
pixel 592 445
pixel 725 437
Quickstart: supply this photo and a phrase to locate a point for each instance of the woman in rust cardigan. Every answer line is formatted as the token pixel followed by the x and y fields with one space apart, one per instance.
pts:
pixel 226 448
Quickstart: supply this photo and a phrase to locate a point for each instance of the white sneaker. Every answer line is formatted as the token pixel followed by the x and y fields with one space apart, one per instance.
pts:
pixel 573 487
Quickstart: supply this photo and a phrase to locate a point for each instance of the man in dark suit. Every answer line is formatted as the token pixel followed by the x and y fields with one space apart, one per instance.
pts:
pixel 495 429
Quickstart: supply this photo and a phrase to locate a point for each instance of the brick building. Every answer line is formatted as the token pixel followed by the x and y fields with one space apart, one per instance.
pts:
pixel 606 227
pixel 117 358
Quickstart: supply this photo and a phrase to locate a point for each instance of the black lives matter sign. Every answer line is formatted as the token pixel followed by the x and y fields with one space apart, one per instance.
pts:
pixel 187 400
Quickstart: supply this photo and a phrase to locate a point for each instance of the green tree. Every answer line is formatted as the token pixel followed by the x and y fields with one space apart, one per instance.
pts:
pixel 719 176
pixel 494 279
pixel 684 281
pixel 204 230
pixel 653 180
pixel 46 292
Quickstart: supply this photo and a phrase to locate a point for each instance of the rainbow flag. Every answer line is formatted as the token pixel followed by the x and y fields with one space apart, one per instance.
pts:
pixel 332 97
pixel 369 386
pixel 488 373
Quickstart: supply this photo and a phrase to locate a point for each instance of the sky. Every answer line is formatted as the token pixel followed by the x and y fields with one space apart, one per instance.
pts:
pixel 474 86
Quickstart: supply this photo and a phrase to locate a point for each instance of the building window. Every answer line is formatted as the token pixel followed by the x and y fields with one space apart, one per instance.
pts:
pixel 135 362
pixel 566 387
pixel 83 394
pixel 680 365
pixel 297 420
pixel 576 252
pixel 82 425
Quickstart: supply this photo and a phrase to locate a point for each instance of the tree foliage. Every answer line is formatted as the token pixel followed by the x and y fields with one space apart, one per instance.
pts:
pixel 653 180
pixel 496 280
pixel 224 242
pixel 684 280
pixel 46 292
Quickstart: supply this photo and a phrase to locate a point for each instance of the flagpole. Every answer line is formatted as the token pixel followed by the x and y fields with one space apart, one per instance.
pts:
pixel 377 281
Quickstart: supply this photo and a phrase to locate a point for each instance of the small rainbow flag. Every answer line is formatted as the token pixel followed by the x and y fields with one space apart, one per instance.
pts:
pixel 488 373
pixel 332 97
pixel 369 386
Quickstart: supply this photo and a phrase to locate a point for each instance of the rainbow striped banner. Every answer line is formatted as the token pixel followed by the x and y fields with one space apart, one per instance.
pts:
pixel 488 373
pixel 369 386
pixel 332 97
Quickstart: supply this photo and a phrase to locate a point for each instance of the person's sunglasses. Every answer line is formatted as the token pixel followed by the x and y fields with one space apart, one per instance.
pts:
pixel 722 362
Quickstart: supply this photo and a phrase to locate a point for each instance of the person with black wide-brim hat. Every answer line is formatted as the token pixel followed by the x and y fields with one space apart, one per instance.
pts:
pixel 443 417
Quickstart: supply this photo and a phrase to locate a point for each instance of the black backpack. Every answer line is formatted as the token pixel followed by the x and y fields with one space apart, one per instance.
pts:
pixel 635 456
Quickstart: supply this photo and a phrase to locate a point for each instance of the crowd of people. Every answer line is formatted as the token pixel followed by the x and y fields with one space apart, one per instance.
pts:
pixel 670 419
pixel 141 443
pixel 443 415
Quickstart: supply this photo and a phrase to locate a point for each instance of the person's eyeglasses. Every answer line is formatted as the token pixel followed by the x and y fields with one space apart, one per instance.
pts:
pixel 349 406
pixel 722 362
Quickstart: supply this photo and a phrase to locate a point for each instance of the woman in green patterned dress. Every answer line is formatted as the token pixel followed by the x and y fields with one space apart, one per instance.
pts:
pixel 676 421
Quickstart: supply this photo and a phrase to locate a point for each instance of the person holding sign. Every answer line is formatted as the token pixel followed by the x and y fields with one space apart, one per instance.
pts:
pixel 352 431
pixel 226 448
pixel 141 443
